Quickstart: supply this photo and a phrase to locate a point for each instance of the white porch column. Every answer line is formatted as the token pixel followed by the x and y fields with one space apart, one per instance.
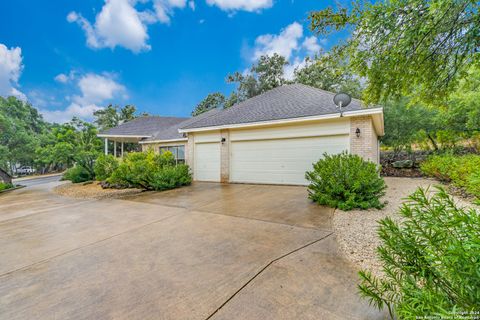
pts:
pixel 122 149
pixel 106 146
pixel 115 149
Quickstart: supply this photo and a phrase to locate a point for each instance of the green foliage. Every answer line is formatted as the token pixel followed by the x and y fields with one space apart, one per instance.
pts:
pixel 431 260
pixel 77 174
pixel 104 166
pixel 112 116
pixel 20 127
pixel 330 73
pixel 5 186
pixel 462 171
pixel 212 101
pixel 412 47
pixel 346 181
pixel 147 170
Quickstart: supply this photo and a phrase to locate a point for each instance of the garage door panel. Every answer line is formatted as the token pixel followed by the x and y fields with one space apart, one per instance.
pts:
pixel 282 161
pixel 207 162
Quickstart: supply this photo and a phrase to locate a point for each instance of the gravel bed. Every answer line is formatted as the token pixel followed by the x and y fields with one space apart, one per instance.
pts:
pixel 92 191
pixel 356 230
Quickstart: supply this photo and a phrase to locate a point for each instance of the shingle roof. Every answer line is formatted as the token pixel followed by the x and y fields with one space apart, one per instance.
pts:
pixel 143 126
pixel 285 102
pixel 171 132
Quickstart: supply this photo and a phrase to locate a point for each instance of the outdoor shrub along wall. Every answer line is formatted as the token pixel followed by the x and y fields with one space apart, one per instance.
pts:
pixel 77 174
pixel 346 181
pixel 104 166
pixel 462 171
pixel 5 186
pixel 150 171
pixel 431 260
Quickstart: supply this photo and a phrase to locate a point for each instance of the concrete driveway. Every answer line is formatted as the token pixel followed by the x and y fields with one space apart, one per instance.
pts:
pixel 208 251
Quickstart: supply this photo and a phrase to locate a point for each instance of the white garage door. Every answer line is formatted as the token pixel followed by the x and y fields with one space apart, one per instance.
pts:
pixel 281 161
pixel 207 161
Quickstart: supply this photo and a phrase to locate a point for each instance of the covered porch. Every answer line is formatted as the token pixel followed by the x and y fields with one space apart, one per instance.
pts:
pixel 118 145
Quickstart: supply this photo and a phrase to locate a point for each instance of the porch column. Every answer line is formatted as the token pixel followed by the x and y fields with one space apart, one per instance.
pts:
pixel 115 149
pixel 122 149
pixel 106 146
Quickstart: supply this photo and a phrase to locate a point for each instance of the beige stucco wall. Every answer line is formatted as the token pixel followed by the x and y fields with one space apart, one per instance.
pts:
pixel 366 145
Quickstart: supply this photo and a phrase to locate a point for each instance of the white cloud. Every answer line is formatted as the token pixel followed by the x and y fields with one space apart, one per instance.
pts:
pixel 117 24
pixel 10 70
pixel 62 78
pixel 95 90
pixel 245 5
pixel 284 44
pixel 164 8
pixel 311 45
pixel 191 4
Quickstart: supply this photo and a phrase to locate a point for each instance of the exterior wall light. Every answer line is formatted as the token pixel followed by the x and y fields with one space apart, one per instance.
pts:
pixel 357 132
pixel 223 140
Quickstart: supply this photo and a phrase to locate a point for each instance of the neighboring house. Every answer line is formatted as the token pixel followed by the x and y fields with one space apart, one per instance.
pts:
pixel 5 177
pixel 272 138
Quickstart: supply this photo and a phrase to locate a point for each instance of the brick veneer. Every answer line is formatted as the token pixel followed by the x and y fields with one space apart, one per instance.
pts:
pixel 366 145
pixel 225 156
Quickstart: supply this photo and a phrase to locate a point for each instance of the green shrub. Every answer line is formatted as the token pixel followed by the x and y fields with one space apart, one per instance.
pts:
pixel 147 170
pixel 77 174
pixel 431 260
pixel 462 171
pixel 104 166
pixel 5 186
pixel 346 181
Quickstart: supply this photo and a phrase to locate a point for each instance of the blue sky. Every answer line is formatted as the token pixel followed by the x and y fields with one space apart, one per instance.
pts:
pixel 164 56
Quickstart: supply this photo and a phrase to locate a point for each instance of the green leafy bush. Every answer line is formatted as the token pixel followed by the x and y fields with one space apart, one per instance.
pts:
pixel 346 181
pixel 462 171
pixel 431 260
pixel 77 174
pixel 104 166
pixel 147 170
pixel 5 186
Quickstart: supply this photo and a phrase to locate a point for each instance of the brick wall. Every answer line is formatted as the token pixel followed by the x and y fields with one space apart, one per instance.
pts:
pixel 366 145
pixel 225 156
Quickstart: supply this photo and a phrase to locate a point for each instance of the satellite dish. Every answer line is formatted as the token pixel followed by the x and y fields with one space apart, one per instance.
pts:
pixel 342 100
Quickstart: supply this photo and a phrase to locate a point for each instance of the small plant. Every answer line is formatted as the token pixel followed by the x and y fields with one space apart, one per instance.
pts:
pixel 431 260
pixel 462 171
pixel 104 166
pixel 346 181
pixel 77 174
pixel 5 186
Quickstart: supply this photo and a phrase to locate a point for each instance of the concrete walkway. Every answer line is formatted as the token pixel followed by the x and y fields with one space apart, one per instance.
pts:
pixel 208 251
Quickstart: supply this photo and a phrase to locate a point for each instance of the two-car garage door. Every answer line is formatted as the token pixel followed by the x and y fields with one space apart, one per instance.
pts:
pixel 280 161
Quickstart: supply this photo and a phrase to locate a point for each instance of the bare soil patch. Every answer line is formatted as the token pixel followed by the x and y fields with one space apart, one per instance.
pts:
pixel 92 191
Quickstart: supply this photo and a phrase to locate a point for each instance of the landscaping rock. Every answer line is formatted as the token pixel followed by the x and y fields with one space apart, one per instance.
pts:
pixel 402 164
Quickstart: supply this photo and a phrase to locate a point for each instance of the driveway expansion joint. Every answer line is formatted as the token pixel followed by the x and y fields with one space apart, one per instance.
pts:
pixel 262 270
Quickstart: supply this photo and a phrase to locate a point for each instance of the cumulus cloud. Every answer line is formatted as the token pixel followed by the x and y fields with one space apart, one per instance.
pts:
pixel 284 44
pixel 10 70
pixel 117 24
pixel 290 43
pixel 311 45
pixel 245 5
pixel 95 90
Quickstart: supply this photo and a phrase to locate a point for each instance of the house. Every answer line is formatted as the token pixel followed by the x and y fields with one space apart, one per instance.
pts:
pixel 272 138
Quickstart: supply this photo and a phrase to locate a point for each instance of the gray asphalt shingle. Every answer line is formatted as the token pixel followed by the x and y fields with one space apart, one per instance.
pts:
pixel 285 102
pixel 144 126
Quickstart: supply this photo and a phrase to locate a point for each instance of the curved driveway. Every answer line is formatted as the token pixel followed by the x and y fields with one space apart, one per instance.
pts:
pixel 208 251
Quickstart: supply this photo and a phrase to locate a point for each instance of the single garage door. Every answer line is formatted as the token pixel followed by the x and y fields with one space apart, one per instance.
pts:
pixel 281 161
pixel 207 161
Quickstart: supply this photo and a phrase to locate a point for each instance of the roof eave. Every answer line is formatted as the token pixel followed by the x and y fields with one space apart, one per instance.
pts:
pixel 122 136
pixel 363 112
pixel 163 141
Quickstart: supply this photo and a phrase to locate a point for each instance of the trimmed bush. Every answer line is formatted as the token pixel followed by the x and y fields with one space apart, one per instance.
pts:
pixel 431 260
pixel 462 171
pixel 104 166
pixel 5 186
pixel 77 174
pixel 346 181
pixel 147 170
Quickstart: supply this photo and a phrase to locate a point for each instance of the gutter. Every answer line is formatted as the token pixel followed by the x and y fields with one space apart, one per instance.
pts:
pixel 162 141
pixel 371 111
pixel 120 136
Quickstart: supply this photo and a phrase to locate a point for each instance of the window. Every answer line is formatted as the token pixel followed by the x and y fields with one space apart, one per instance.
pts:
pixel 177 151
